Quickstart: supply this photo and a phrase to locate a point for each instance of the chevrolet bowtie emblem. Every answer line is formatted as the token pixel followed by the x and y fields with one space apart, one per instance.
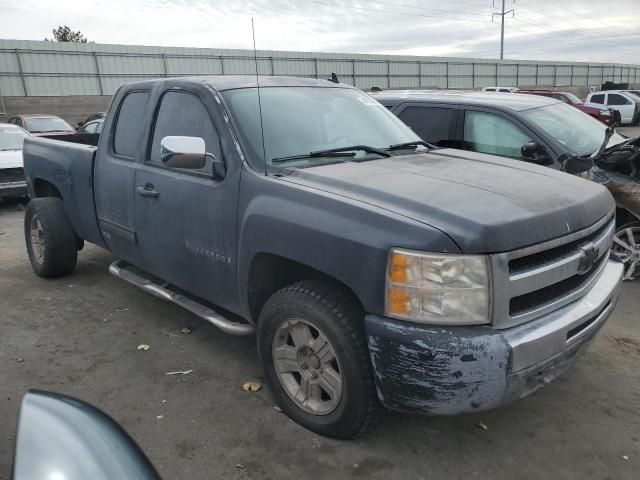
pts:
pixel 588 257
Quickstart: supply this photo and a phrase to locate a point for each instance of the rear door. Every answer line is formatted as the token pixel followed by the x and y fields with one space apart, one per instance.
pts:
pixel 434 123
pixel 186 219
pixel 118 154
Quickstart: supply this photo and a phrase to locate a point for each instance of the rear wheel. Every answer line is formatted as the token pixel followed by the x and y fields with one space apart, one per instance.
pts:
pixel 52 245
pixel 312 345
pixel 626 244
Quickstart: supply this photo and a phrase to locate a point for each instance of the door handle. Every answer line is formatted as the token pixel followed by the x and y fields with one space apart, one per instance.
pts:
pixel 147 191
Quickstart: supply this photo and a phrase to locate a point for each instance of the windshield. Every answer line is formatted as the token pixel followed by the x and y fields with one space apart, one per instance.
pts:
pixel 573 98
pixel 577 131
pixel 46 124
pixel 300 120
pixel 11 138
pixel 634 93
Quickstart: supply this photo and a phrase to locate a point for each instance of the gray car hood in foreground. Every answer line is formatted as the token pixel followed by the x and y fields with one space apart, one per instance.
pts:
pixel 484 203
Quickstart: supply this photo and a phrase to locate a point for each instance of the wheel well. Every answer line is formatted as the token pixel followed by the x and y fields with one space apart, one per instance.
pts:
pixel 42 188
pixel 269 273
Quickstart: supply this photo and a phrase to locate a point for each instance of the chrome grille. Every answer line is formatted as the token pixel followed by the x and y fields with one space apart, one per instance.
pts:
pixel 536 280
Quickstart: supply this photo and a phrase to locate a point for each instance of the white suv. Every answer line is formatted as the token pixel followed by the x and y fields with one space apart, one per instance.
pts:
pixel 624 101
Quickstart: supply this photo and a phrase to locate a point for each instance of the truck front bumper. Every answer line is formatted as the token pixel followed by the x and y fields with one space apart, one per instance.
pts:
pixel 441 370
pixel 13 189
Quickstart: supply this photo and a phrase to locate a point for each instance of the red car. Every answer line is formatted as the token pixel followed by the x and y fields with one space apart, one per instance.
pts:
pixel 605 114
pixel 43 125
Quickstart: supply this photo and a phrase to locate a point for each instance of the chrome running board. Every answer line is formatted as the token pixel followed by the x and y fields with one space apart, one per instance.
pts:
pixel 140 279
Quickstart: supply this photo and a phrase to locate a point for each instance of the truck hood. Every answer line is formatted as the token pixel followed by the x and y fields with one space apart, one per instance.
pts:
pixel 484 203
pixel 10 159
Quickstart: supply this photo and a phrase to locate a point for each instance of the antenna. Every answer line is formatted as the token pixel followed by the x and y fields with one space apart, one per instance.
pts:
pixel 255 59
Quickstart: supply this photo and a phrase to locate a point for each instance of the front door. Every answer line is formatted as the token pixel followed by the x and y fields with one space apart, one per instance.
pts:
pixel 186 219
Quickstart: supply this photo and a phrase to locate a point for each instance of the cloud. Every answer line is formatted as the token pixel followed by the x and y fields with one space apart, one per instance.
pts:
pixel 573 30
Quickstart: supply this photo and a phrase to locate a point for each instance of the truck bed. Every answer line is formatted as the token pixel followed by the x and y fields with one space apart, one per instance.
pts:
pixel 65 169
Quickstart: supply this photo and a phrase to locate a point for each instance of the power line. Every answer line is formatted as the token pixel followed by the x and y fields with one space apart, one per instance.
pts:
pixel 546 15
pixel 412 14
pixel 553 33
pixel 418 7
pixel 503 13
pixel 564 9
pixel 575 34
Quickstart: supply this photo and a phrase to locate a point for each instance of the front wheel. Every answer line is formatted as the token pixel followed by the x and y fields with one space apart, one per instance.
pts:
pixel 52 244
pixel 312 345
pixel 626 244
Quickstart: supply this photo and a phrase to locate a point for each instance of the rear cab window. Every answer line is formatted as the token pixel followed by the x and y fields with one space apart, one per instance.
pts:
pixel 129 128
pixel 599 98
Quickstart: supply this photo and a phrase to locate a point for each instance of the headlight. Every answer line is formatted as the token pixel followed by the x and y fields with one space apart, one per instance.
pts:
pixel 438 288
pixel 605 113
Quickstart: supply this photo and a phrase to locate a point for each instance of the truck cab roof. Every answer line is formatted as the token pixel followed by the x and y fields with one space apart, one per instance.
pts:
pixel 231 82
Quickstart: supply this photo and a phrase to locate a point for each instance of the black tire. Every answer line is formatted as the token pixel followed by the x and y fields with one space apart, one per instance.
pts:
pixel 334 312
pixel 59 251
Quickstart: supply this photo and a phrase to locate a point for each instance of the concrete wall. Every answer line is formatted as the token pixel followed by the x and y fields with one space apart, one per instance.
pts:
pixel 72 108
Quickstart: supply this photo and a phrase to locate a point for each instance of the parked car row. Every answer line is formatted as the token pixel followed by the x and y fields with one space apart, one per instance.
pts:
pixel 603 113
pixel 12 134
pixel 611 107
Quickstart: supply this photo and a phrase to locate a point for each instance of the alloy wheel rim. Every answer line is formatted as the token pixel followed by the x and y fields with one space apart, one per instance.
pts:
pixel 627 246
pixel 37 240
pixel 307 366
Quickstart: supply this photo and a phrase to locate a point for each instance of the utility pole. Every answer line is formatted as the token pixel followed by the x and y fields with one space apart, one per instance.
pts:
pixel 502 14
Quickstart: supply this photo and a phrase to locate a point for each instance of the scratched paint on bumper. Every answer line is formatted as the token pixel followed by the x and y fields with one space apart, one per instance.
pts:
pixel 447 371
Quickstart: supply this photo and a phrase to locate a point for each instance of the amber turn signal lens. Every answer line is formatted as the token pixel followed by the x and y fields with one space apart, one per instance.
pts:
pixel 398 268
pixel 397 301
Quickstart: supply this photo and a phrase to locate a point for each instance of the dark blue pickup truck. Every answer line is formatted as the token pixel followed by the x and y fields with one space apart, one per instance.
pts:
pixel 373 268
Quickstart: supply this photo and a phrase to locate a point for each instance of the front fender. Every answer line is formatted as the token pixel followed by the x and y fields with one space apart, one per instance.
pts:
pixel 345 239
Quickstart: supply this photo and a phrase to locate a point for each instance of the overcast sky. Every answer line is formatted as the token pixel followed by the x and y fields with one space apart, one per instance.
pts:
pixel 572 30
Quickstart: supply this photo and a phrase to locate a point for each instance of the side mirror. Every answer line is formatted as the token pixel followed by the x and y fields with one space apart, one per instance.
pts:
pixel 60 437
pixel 535 153
pixel 80 124
pixel 183 152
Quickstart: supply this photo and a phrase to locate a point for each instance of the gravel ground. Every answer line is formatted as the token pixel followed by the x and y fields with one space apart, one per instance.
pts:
pixel 79 335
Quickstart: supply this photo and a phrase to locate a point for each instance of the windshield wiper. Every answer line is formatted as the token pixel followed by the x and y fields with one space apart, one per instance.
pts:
pixel 417 143
pixel 313 155
pixel 334 152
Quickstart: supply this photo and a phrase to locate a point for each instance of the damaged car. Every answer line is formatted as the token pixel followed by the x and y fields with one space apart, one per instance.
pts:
pixel 538 130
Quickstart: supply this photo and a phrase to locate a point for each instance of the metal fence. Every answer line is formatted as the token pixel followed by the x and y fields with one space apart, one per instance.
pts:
pixel 33 68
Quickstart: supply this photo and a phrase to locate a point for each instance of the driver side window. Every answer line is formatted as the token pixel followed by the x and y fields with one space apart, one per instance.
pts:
pixel 183 114
pixel 489 133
